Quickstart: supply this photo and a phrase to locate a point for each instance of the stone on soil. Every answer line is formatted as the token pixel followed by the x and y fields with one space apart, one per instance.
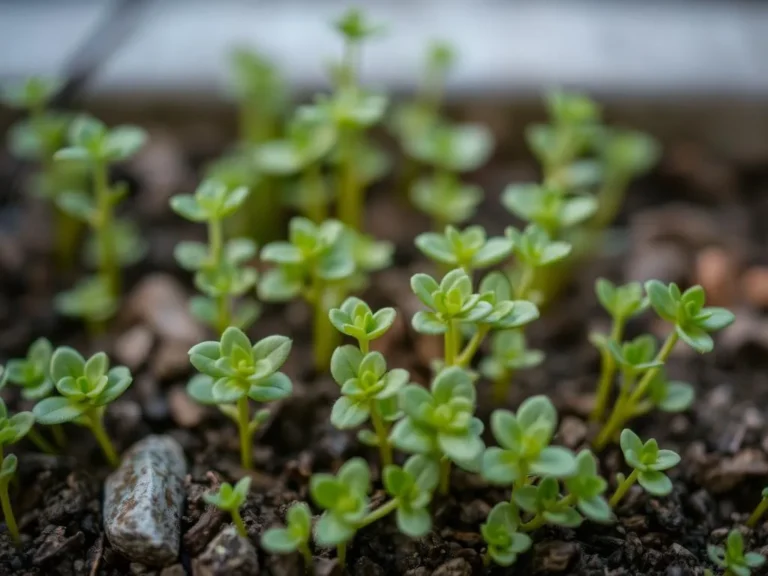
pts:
pixel 143 501
pixel 229 554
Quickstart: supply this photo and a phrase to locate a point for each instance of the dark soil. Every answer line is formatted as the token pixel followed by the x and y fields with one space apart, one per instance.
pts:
pixel 673 224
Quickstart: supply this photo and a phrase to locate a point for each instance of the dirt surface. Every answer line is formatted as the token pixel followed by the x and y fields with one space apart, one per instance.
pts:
pixel 695 219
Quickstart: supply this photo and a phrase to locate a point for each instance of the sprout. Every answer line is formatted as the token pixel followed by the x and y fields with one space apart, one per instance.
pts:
pixel 524 438
pixel 500 532
pixel 440 423
pixel 234 370
pixel 733 558
pixel 509 353
pixel 412 487
pixel 446 201
pixel 468 249
pixel 546 504
pixel 231 499
pixel 533 249
pixel 12 429
pixel 759 510
pixel 586 488
pixel 294 537
pixel 356 319
pixel 648 464
pixel 219 267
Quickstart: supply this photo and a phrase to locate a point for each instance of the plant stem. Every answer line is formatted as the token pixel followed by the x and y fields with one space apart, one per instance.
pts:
pixel 239 524
pixel 758 513
pixel 378 514
pixel 324 336
pixel 40 442
pixel 104 225
pixel 58 435
pixel 534 523
pixel 445 476
pixel 487 559
pixel 216 246
pixel 526 279
pixel 522 478
pixel 10 519
pixel 341 554
pixel 607 370
pixel 465 358
pixel 350 205
pixel 450 344
pixel 314 201
pixel 365 345
pixel 385 449
pixel 96 420
pixel 243 423
pixel 648 377
pixel 67 232
pixel 306 553
pixel 622 488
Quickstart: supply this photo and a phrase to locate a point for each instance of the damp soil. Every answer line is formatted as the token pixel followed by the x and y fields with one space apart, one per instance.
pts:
pixel 676 225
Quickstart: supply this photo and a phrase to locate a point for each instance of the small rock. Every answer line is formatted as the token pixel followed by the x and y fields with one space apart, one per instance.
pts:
pixel 455 567
pixel 229 554
pixel 175 570
pixel 327 567
pixel 716 272
pixel 143 501
pixel 754 286
pixel 171 360
pixel 572 431
pixel 554 556
pixel 474 512
pixel 57 544
pixel 418 571
pixel 729 472
pixel 185 412
pixel 133 346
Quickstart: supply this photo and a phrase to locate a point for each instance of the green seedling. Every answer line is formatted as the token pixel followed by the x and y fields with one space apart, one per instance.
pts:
pixel 96 147
pixel 233 371
pixel 87 387
pixel 221 273
pixel 524 438
pixel 548 206
pixel 230 499
pixel 469 249
pixel 692 321
pixel 733 558
pixel 356 319
pixel 91 299
pixel 648 464
pixel 412 488
pixel 533 248
pixel 759 510
pixel 294 537
pixel 622 303
pixel 12 429
pixel 445 201
pixel 500 532
pixel 509 353
pixel 368 391
pixel 586 488
pixel 440 423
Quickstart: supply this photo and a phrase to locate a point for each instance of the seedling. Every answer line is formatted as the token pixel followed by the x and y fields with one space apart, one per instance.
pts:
pixel 759 510
pixel 86 388
pixel 469 249
pixel 294 537
pixel 445 201
pixel 500 532
pixel 220 267
pixel 586 488
pixel 509 353
pixel 648 464
pixel 546 504
pixel 231 499
pixel 234 370
pixel 412 487
pixel 533 249
pixel 440 423
pixel 733 558
pixel 12 429
pixel 368 391
pixel 548 206
pixel 692 321
pixel 96 147
pixel 524 438
pixel 356 319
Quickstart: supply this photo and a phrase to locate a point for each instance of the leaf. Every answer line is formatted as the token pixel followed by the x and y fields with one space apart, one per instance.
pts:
pixel 331 531
pixel 718 319
pixel 274 387
pixel 506 429
pixel 57 410
pixel 65 362
pixel 498 467
pixel 96 366
pixel 277 286
pixel 410 438
pixel 118 380
pixel 568 518
pixel 355 475
pixel 424 286
pixel 124 141
pixel 655 482
pixel 577 210
pixel 200 388
pixel 274 350
pixel 21 423
pixel 554 252
pixel 86 131
pixel 596 509
pixel 279 541
pixel 460 447
pixel 661 300
pixel 345 363
pixel 77 204
pixel 665 460
pixel 227 390
pixel 383 320
pixel 537 410
pixel 696 338
pixel 348 413
pixel 234 339
pixel 414 523
pixel 678 397
pixel 436 247
pixel 203 357
pixel 186 206
pixel 493 252
pixel 191 255
pixel 554 461
pixel 427 322
pixel 630 442
pixel 425 472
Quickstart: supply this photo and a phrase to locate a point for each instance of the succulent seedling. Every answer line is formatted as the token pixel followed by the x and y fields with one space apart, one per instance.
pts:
pixel 733 558
pixel 87 388
pixel 368 391
pixel 294 537
pixel 546 504
pixel 232 371
pixel 524 438
pixel 445 201
pixel 230 499
pixel 469 249
pixel 412 487
pixel 221 273
pixel 12 429
pixel 354 318
pixel 548 206
pixel 509 353
pixel 586 487
pixel 440 422
pixel 648 464
pixel 500 533
pixel 533 248
pixel 759 510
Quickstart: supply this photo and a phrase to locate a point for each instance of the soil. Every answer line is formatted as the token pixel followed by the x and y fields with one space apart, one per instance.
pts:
pixel 673 222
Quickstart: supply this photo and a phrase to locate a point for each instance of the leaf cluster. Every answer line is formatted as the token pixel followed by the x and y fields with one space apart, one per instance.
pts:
pixel 733 557
pixel 649 461
pixel 229 498
pixel 501 532
pixel 33 373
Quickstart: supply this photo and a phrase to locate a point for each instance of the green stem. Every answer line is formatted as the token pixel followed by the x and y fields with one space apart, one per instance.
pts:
pixel 10 519
pixel 104 225
pixel 445 476
pixel 67 232
pixel 314 200
pixel 648 377
pixel 607 370
pixel 216 246
pixel 758 513
pixel 40 442
pixel 239 524
pixel 341 554
pixel 306 553
pixel 522 479
pixel 96 424
pixel 622 488
pixel 58 435
pixel 243 423
pixel 324 336
pixel 526 280
pixel 534 523
pixel 450 344
pixel 466 356
pixel 365 345
pixel 385 449
pixel 501 387
pixel 378 514
pixel 350 205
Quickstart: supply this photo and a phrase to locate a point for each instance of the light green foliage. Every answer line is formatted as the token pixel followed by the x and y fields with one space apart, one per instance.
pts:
pixel 412 487
pixel 507 312
pixel 760 509
pixel 13 428
pixel 355 318
pixel 648 462
pixel 234 370
pixel 91 142
pixel 91 299
pixel 524 438
pixel 586 487
pixel 733 558
pixel 469 249
pixel 635 356
pixel 534 248
pixel 500 532
pixel 549 206
pixel 87 387
pixel 446 200
pixel 344 498
pixel 451 300
pixel 509 353
pixel 231 499
pixel 666 395
pixel 32 374
pixel 621 302
pixel 7 473
pixel 294 537
pixel 221 270
pixel 544 501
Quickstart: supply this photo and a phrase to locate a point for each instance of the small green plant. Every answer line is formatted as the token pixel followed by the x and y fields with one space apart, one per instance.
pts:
pixel 12 429
pixel 440 423
pixel 586 487
pixel 548 206
pixel 368 391
pixel 294 537
pixel 469 249
pixel 87 388
pixel 230 499
pixel 648 464
pixel 533 249
pixel 692 322
pixel 354 318
pixel 509 353
pixel 412 487
pixel 221 273
pixel 759 510
pixel 234 370
pixel 524 438
pixel 733 558
pixel 117 244
pixel 500 532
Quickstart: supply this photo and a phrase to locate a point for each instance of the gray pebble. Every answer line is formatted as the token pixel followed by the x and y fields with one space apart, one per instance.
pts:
pixel 143 501
pixel 229 554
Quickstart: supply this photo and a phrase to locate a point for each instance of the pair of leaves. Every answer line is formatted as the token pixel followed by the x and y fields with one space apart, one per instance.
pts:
pixel 33 373
pixel 229 498
pixel 295 535
pixel 355 318
pixel 649 461
pixel 413 486
pixel 212 201
pixel 506 313
pixel 500 532
pixel 453 148
pixel 14 428
pixel 446 200
pixel 733 558
pixel 91 299
pixel 534 247
pixel 509 353
pixel 344 498
pixel 621 302
pixel 548 206
pixel 469 249
pixel 90 141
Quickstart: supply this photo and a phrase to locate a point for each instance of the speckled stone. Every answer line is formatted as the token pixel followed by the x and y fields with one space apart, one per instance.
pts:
pixel 143 501
pixel 229 554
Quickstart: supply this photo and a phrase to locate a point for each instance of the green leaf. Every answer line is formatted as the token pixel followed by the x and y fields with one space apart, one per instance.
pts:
pixel 124 141
pixel 596 509
pixel 331 531
pixel 279 541
pixel 278 286
pixel 568 518
pixel 424 286
pixel 429 323
pixel 345 363
pixel 696 338
pixel 274 387
pixel 77 204
pixel 65 362
pixel 537 410
pixel 554 461
pixel 661 300
pixel 233 339
pixel 57 410
pixel 493 252
pixel 655 482
pixel 325 490
pixel 630 442
pixel 186 206
pixel 355 475
pixel 200 388
pixel 460 446
pixel 118 380
pixel 499 467
pixel 203 357
pixel 506 429
pixel 407 436
pixel 228 390
pixel 191 255
pixel 274 350
pixel 348 413
pixel 665 460
pixel 414 523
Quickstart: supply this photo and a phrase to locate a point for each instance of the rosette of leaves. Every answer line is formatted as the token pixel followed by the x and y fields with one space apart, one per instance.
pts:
pixel 524 439
pixel 509 353
pixel 412 487
pixel 549 206
pixel 500 532
pixel 294 537
pixel 232 371
pixel 440 422
pixel 446 200
pixel 87 388
pixel 354 318
pixel 33 374
pixel 369 391
pixel 469 249
pixel 533 248
pixel 230 499
pixel 586 488
pixel 733 558
pixel 91 299
pixel 221 273
pixel 546 504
